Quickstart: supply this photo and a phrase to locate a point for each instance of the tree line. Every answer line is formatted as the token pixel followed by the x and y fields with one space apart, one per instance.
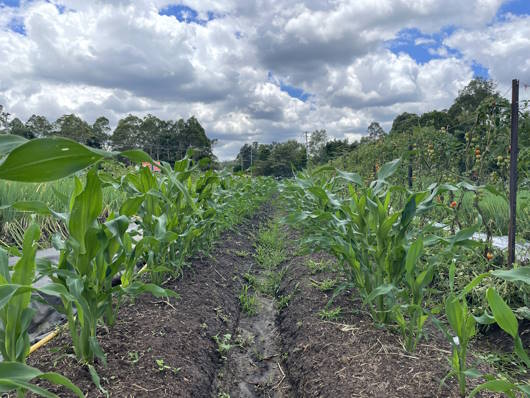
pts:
pixel 164 140
pixel 465 115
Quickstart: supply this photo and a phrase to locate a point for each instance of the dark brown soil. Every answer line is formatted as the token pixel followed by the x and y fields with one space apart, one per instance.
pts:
pixel 350 356
pixel 178 331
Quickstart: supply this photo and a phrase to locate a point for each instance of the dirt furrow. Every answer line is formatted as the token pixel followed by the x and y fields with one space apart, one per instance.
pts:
pixel 254 362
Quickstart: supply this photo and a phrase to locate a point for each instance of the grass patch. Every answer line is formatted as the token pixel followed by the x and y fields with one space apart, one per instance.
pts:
pixel 248 301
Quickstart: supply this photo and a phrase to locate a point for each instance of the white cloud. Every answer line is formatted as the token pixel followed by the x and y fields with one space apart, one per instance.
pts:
pixel 503 48
pixel 117 57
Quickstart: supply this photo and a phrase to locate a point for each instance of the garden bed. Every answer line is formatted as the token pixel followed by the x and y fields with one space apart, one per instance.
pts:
pixel 348 356
pixel 166 348
pixel 178 332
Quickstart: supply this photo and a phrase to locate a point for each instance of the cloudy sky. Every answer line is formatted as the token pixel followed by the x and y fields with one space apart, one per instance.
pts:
pixel 256 70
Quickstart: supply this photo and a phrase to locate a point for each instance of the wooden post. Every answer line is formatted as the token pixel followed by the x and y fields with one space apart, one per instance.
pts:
pixel 514 149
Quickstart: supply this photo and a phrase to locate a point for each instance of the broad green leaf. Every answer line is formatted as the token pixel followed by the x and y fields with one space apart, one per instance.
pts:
pixel 8 291
pixel 4 267
pixel 484 319
pixel 86 209
pixel 521 274
pixel 503 314
pixel 137 288
pixel 137 156
pixel 463 235
pixel 58 379
pixel 380 291
pixel 34 206
pixel 8 142
pixel 452 270
pixel 17 375
pixel 413 254
pixel 388 169
pixel 409 211
pixel 96 379
pixel 47 159
pixel 472 372
pixel 518 348
pixel 494 386
pixel 350 177
pixel 11 384
pixel 17 370
pixel 455 314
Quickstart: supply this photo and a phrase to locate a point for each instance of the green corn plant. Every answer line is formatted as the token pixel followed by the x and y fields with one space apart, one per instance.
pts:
pixel 92 256
pixel 463 326
pixel 16 315
pixel 374 231
pixel 168 214
pixel 505 318
pixel 411 316
pixel 15 319
pixel 16 375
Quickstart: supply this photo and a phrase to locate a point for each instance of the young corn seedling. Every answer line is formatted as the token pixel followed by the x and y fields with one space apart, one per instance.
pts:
pixel 463 326
pixel 411 316
pixel 15 318
pixel 93 255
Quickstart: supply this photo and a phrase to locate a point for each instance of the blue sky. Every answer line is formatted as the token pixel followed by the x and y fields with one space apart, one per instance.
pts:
pixel 255 71
pixel 186 14
pixel 423 47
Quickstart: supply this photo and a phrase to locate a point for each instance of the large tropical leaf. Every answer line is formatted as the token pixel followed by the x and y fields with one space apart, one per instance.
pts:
pixel 47 159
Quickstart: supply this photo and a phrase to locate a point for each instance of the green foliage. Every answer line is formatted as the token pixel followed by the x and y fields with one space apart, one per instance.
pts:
pixel 330 314
pixel 178 211
pixel 15 319
pixel 277 159
pixel 16 375
pixel 248 301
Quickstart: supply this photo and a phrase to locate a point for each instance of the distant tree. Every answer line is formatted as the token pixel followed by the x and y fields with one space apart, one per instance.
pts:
pixel 405 123
pixel 375 131
pixel 287 156
pixel 128 134
pixel 470 97
pixel 335 148
pixel 262 165
pixel 101 131
pixel 157 140
pixel 436 119
pixel 16 127
pixel 39 126
pixel 195 137
pixel 463 113
pixel 277 159
pixel 75 128
pixel 317 141
pixel 247 155
pixel 4 120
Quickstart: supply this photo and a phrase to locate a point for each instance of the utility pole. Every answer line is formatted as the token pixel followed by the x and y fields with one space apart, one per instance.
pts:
pixel 514 149
pixel 306 147
pixel 251 147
